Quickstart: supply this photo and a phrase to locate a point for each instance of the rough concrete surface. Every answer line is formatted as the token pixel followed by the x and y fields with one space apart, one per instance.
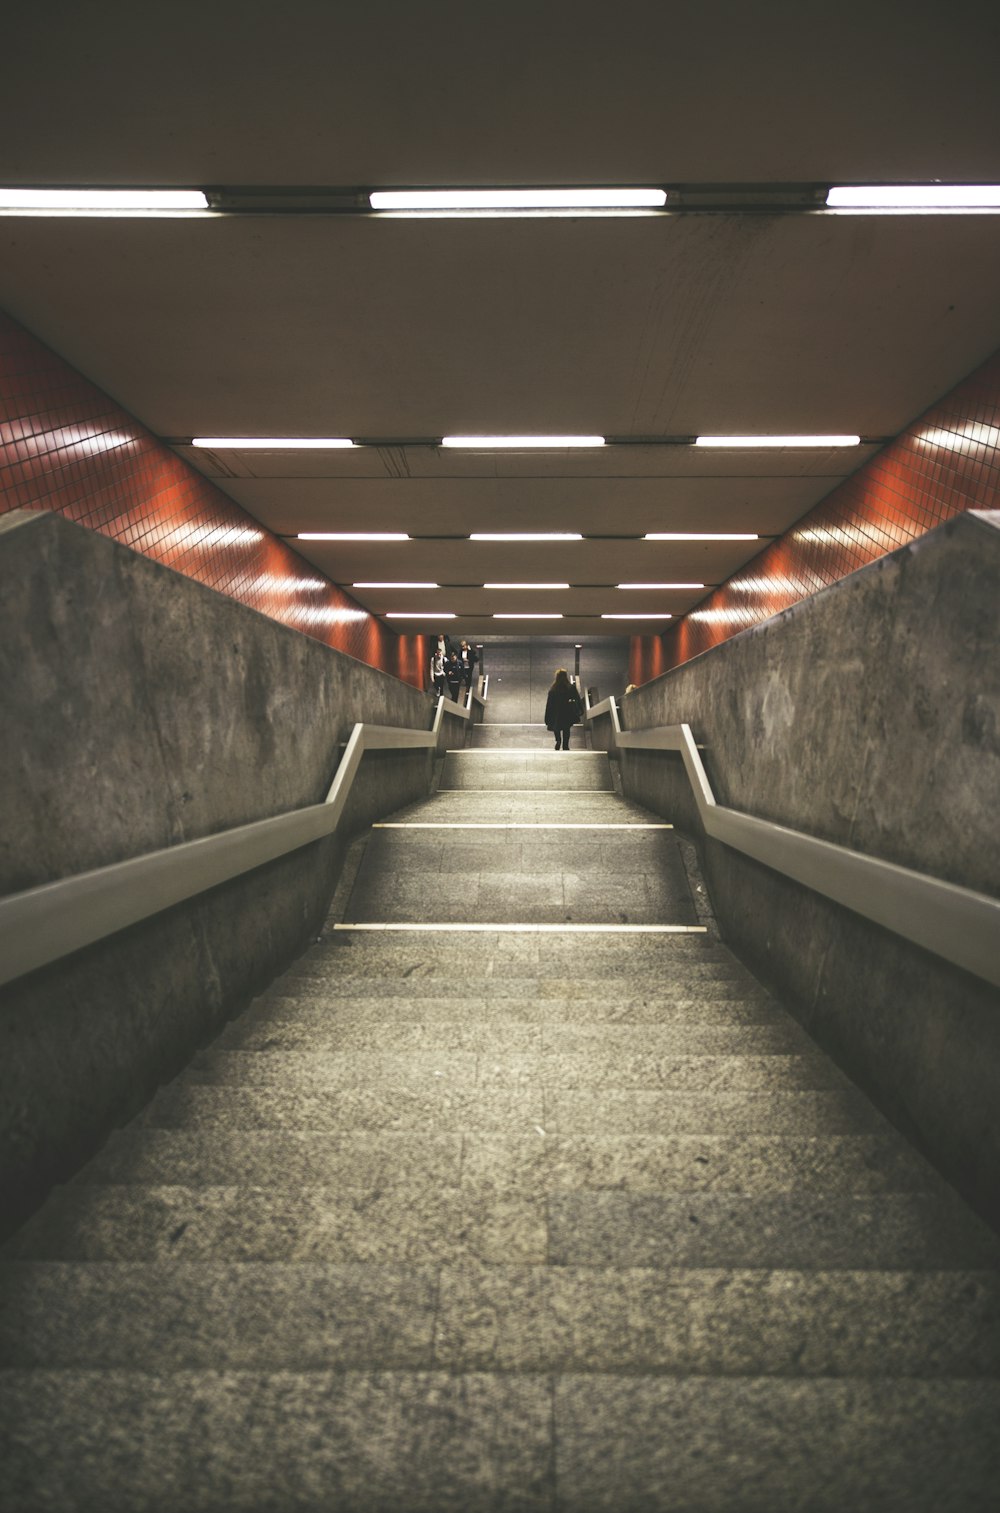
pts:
pixel 140 710
pixel 869 715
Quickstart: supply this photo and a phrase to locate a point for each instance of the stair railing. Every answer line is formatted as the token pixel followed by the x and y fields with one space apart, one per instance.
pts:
pixel 958 924
pixel 44 924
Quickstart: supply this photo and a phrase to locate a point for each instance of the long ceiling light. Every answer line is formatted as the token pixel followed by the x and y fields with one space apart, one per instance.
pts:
pixel 637 617
pixel 777 441
pixel 526 536
pixel 927 198
pixel 421 614
pixel 525 585
pixel 699 536
pixel 102 201
pixel 520 443
pixel 396 585
pixel 552 201
pixel 351 536
pixel 274 443
pixel 653 585
pixel 528 617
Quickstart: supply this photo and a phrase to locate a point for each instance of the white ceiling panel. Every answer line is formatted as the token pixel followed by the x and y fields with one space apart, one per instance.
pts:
pixel 364 328
pixel 390 92
pixel 600 506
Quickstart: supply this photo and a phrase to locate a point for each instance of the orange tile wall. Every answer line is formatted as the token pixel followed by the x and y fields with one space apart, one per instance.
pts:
pixel 946 462
pixel 64 445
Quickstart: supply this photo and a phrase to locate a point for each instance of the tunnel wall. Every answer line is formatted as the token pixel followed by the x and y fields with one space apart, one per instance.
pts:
pixel 66 446
pixel 142 710
pixel 868 715
pixel 946 462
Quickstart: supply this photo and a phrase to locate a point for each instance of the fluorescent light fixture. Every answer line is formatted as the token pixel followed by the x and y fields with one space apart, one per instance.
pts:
pixel 525 585
pixel 520 443
pixel 652 585
pixel 395 585
pixel 528 617
pixel 926 197
pixel 421 614
pixel 777 441
pixel 699 536
pixel 637 617
pixel 517 199
pixel 351 536
pixel 273 443
pixel 526 536
pixel 101 201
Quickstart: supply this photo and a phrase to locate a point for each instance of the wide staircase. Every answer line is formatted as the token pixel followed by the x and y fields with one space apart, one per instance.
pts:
pixel 516 1193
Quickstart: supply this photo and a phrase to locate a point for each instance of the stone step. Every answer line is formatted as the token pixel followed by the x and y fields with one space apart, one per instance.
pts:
pixel 314 1071
pixel 637 878
pixel 290 1442
pixel 582 771
pixel 581 949
pixel 662 1444
pixel 226 1316
pixel 284 1158
pixel 331 1031
pixel 444 1442
pixel 449 1226
pixel 432 1000
pixel 440 1107
pixel 539 806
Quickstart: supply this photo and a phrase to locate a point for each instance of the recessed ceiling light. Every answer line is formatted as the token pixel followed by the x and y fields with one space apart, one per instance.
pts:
pixel 528 617
pixel 102 201
pixel 396 585
pixel 777 441
pixel 472 200
pixel 699 536
pixel 526 536
pixel 351 536
pixel 274 443
pixel 637 617
pixel 422 614
pixel 926 197
pixel 521 443
pixel 525 585
pixel 652 585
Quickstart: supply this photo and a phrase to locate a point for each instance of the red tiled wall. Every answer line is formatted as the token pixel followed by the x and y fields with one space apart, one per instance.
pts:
pixel 946 462
pixel 64 445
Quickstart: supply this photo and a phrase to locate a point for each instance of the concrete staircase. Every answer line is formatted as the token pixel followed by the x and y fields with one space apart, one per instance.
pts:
pixel 501 1218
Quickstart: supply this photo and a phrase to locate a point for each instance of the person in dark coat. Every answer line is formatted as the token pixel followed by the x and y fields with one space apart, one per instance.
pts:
pixel 562 709
pixel 468 659
pixel 453 672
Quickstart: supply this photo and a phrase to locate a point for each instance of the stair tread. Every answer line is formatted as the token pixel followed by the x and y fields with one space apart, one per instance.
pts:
pixel 681 1163
pixel 489 1222
pixel 218 1315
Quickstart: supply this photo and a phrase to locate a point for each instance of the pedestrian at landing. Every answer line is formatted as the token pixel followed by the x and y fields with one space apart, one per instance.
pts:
pixel 562 709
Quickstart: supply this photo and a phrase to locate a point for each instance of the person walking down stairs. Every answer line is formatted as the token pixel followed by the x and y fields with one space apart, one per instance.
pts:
pixel 563 709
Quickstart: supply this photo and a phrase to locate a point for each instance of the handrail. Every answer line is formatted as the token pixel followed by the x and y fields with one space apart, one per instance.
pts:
pixel 958 924
pixel 43 924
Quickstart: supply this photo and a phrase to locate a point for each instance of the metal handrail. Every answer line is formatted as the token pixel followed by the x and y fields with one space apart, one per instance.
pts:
pixel 43 924
pixel 958 924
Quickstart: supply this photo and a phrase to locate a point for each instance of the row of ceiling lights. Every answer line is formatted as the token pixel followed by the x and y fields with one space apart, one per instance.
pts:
pixel 878 199
pixel 384 536
pixel 518 443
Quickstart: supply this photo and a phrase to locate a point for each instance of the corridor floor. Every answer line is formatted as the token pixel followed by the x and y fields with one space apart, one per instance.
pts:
pixel 481 1209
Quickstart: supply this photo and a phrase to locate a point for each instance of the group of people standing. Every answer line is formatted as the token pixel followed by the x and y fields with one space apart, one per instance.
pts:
pixel 451 666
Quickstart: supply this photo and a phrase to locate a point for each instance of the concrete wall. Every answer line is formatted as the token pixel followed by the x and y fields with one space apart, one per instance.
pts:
pixel 521 672
pixel 868 715
pixel 141 709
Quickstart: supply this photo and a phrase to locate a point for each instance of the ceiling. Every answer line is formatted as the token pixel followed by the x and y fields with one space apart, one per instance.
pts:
pixel 402 331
